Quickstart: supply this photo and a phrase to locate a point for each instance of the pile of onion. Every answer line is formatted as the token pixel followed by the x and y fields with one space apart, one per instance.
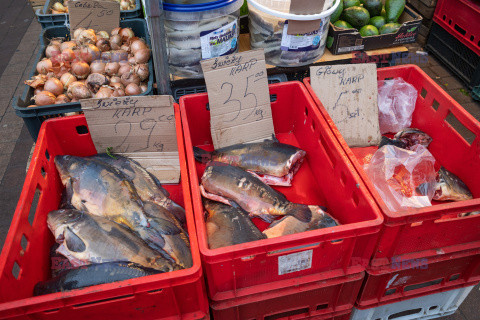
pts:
pixel 91 65
pixel 62 8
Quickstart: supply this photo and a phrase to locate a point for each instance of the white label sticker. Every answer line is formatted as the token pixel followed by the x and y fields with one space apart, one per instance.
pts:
pixel 348 49
pixel 301 42
pixel 295 262
pixel 219 42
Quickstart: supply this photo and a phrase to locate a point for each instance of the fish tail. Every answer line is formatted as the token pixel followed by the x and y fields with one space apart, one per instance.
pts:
pixel 155 241
pixel 201 155
pixel 300 211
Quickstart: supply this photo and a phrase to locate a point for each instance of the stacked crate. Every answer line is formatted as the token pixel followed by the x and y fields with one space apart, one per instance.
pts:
pixel 426 8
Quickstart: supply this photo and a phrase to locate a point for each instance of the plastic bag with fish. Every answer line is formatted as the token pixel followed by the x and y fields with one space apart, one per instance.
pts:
pixel 92 275
pixel 237 187
pixel 100 189
pixel 407 139
pixel 403 178
pixel 273 162
pixel 396 103
pixel 85 239
pixel 228 226
pixel 449 187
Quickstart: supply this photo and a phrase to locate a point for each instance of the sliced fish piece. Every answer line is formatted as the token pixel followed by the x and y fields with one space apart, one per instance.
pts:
pixel 412 137
pixel 449 187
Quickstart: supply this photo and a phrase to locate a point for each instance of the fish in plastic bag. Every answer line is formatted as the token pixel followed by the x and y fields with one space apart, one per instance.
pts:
pixel 403 178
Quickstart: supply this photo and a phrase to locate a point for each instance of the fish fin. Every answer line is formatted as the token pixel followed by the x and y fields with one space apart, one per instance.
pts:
pixel 73 242
pixel 159 185
pixel 274 223
pixel 164 226
pixel 273 139
pixel 177 211
pixel 264 216
pixel 300 211
pixel 201 155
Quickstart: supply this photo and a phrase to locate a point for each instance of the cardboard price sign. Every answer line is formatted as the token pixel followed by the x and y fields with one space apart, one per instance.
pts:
pixel 142 128
pixel 239 99
pixel 96 15
pixel 349 93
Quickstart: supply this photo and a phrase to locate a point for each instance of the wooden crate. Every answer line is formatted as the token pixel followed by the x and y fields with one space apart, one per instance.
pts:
pixel 425 7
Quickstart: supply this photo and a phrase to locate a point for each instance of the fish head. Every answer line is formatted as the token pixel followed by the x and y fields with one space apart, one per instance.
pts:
pixel 67 166
pixel 59 220
pixel 321 218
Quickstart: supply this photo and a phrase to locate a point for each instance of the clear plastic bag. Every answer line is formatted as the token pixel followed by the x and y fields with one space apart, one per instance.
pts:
pixel 403 178
pixel 396 103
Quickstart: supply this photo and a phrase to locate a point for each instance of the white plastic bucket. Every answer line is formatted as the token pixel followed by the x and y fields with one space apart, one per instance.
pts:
pixel 268 24
pixel 200 31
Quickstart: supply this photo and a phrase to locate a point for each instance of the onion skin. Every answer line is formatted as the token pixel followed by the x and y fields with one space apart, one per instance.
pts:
pixel 97 66
pixel 68 45
pixel 62 99
pixel 124 69
pixel 126 33
pixel 111 68
pixel 115 80
pixel 89 53
pixel 116 31
pixel 104 92
pixel 87 36
pixel 77 32
pixel 132 90
pixel 95 81
pixel 44 66
pixel 80 69
pixel 44 98
pixel 67 79
pixel 117 86
pixel 142 71
pixel 54 86
pixel 130 77
pixel 143 87
pixel 68 55
pixel 38 90
pixel 78 90
pixel 52 51
pixel 132 60
pixel 103 35
pixel 137 45
pixel 103 45
pixel 119 93
pixel 142 55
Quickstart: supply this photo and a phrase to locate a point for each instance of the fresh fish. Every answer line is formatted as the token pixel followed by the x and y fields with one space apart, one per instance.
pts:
pixel 147 185
pixel 412 136
pixel 234 186
pixel 227 226
pixel 58 262
pixel 387 141
pixel 91 275
pixel 469 214
pixel 181 25
pixel 177 244
pixel 290 225
pixel 450 187
pixel 181 58
pixel 87 239
pixel 102 190
pixel 275 163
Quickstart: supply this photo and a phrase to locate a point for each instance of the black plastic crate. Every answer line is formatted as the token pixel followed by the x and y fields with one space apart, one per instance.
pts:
pixel 33 117
pixel 455 55
pixel 47 19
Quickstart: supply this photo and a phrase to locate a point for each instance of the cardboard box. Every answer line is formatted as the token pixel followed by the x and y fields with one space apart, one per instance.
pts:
pixel 348 40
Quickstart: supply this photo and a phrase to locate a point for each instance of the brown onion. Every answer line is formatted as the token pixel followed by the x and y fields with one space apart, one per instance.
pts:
pixel 115 42
pixel 132 60
pixel 103 45
pixel 56 42
pixel 80 69
pixel 52 51
pixel 126 33
pixel 119 93
pixel 38 90
pixel 132 89
pixel 130 77
pixel 54 86
pixel 124 69
pixel 124 5
pixel 44 66
pixel 87 36
pixel 103 35
pixel 77 32
pixel 111 68
pixel 143 87
pixel 117 85
pixel 125 47
pixel 142 71
pixel 44 98
pixel 62 99
pixel 67 45
pixel 67 79
pixel 116 31
pixel 142 55
pixel 97 66
pixel 106 56
pixel 104 92
pixel 78 90
pixel 89 52
pixel 95 81
pixel 137 45
pixel 115 80
pixel 119 55
pixel 123 63
pixel 68 55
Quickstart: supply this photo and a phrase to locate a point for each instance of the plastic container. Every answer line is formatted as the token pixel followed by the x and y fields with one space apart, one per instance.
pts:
pixel 25 257
pixel 460 18
pixel 431 306
pixel 325 178
pixel 200 31
pixel 406 279
pixel 34 116
pixel 46 19
pixel 268 30
pixel 331 299
pixel 464 62
pixel 435 230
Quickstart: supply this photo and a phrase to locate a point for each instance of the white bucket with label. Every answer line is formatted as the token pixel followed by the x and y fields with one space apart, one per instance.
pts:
pixel 196 32
pixel 268 24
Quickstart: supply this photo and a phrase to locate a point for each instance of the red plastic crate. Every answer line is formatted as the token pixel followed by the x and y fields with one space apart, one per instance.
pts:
pixel 462 19
pixel 416 278
pixel 320 300
pixel 325 178
pixel 176 295
pixel 429 231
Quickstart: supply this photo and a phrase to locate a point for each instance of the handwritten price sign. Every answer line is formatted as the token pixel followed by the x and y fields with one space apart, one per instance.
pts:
pixel 238 97
pixel 349 93
pixel 142 128
pixel 96 15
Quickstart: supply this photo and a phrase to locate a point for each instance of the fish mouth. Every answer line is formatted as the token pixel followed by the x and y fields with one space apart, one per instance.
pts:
pixel 62 162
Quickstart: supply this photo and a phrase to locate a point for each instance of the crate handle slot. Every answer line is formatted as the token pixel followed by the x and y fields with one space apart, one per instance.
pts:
pixel 287 314
pixel 322 306
pixel 82 129
pixel 155 291
pixel 293 249
pixel 34 204
pixel 423 93
pixel 467 135
pixel 405 313
pixel 120 298
pixel 16 270
pixel 51 311
pixel 47 155
pixel 24 243
pixel 454 277
pixel 273 97
pixel 435 104
pixel 460 29
pixel 423 285
pixel 390 292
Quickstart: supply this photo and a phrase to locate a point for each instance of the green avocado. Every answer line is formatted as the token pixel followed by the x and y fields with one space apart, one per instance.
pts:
pixel 368 31
pixel 394 9
pixel 391 27
pixel 350 3
pixel 377 21
pixel 374 7
pixel 329 42
pixel 356 16
pixel 336 14
pixel 342 24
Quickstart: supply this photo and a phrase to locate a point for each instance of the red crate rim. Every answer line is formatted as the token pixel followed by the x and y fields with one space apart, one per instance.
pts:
pixel 413 214
pixel 145 283
pixel 268 245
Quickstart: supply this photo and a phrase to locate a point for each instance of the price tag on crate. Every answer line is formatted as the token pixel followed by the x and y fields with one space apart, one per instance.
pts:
pixel 142 128
pixel 349 93
pixel 239 99
pixel 96 15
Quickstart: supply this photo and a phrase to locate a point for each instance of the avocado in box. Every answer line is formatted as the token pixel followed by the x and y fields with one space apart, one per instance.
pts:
pixel 344 38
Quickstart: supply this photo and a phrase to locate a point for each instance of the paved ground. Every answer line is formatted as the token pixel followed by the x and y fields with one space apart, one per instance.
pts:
pixel 19 34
